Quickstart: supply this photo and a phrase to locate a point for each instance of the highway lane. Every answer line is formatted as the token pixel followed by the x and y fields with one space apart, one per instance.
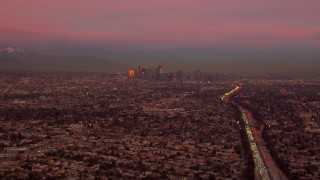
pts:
pixel 7 89
pixel 271 166
pixel 260 165
pixel 265 166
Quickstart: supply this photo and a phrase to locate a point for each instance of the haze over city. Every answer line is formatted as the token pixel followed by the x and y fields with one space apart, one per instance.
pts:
pixel 221 36
pixel 167 89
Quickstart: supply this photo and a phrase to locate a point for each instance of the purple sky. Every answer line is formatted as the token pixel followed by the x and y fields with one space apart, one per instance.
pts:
pixel 143 29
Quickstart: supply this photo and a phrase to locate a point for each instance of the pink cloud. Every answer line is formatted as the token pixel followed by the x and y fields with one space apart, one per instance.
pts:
pixel 166 22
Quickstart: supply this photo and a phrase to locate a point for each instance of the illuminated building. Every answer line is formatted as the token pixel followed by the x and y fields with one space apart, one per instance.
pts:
pixel 179 76
pixel 140 70
pixel 131 73
pixel 160 69
pixel 159 72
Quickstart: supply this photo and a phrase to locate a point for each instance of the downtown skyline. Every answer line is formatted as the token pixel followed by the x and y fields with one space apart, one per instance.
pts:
pixel 168 89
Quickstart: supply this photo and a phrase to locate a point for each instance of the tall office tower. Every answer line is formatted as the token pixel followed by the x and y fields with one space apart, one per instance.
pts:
pixel 159 73
pixel 144 72
pixel 160 69
pixel 197 75
pixel 204 77
pixel 179 76
pixel 210 77
pixel 131 73
pixel 188 77
pixel 150 71
pixel 140 70
pixel 171 77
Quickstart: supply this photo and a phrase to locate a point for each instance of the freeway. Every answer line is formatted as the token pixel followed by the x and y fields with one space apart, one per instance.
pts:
pixel 265 167
pixel 7 89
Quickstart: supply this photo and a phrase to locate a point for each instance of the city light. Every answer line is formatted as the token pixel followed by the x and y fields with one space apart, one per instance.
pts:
pixel 264 164
pixel 131 73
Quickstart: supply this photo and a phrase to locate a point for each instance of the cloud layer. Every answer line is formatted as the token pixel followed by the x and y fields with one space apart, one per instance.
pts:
pixel 179 22
pixel 123 26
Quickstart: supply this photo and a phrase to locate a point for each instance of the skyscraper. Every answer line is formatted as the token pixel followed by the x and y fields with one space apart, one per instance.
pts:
pixel 131 73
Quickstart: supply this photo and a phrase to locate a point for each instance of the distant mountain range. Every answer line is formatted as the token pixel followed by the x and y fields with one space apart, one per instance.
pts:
pixel 10 50
pixel 18 59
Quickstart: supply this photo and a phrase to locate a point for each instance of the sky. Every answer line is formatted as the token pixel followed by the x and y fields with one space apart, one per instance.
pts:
pixel 214 35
